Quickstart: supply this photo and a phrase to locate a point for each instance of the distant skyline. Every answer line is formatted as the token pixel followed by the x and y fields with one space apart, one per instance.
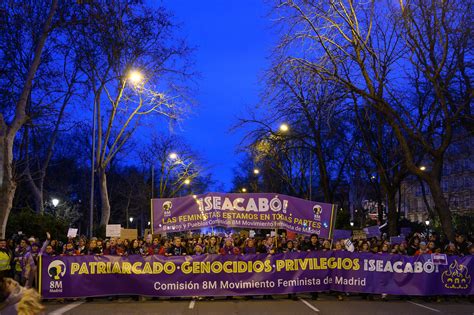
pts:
pixel 233 42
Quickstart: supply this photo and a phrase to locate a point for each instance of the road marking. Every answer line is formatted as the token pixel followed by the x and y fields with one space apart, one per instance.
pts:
pixel 191 304
pixel 311 306
pixel 421 305
pixel 66 308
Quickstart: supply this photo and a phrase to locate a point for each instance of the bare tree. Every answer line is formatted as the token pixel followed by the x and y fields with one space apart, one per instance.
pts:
pixel 120 38
pixel 172 164
pixel 376 51
pixel 11 123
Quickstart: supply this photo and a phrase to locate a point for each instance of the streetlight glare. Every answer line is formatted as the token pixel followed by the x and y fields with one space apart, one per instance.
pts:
pixel 187 181
pixel 55 202
pixel 427 222
pixel 173 156
pixel 284 127
pixel 352 223
pixel 256 171
pixel 135 76
pixel 244 190
pixel 131 219
pixel 422 168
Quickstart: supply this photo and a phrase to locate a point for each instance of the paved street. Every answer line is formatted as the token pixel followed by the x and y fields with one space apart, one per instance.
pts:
pixel 326 304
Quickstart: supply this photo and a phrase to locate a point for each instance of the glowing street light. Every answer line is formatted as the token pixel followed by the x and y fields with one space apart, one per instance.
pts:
pixel 256 171
pixel 244 190
pixel 352 223
pixel 173 156
pixel 427 222
pixel 284 128
pixel 55 202
pixel 422 168
pixel 187 181
pixel 131 219
pixel 149 223
pixel 135 77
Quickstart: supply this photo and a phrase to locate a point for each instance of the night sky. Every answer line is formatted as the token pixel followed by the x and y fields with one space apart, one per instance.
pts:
pixel 233 41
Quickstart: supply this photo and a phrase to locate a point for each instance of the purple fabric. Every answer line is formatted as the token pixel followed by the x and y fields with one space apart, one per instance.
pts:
pixel 79 276
pixel 372 231
pixel 259 211
pixel 342 234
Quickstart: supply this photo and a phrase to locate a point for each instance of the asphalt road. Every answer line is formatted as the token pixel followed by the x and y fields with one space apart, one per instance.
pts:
pixel 326 304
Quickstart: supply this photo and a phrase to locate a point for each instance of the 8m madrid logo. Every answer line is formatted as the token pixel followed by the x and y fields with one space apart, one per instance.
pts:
pixel 56 270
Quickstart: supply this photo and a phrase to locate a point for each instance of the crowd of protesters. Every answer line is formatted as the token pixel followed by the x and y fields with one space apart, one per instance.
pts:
pixel 19 257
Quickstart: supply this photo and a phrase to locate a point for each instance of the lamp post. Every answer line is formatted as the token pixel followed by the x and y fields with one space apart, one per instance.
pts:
pixel 427 222
pixel 131 221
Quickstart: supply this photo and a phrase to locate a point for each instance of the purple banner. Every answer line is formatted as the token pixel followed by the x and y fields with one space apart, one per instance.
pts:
pixel 342 234
pixel 255 211
pixel 217 275
pixel 372 231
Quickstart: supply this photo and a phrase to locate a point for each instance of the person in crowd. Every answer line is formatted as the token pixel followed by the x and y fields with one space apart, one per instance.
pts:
pixel 461 244
pixel 20 262
pixel 312 246
pixel 32 258
pixel 177 249
pixel 451 249
pixel 93 249
pixel 228 248
pixel 249 247
pixel 290 247
pixel 212 247
pixel 326 245
pixel 198 250
pixel 69 249
pixel 413 245
pixel 6 258
pixel 15 299
pixel 135 248
pixel 423 249
pixel 81 248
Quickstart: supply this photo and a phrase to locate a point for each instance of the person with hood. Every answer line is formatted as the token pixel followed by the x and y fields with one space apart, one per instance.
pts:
pixel 15 299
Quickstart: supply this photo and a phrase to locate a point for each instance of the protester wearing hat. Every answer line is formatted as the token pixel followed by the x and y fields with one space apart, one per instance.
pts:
pixel 423 249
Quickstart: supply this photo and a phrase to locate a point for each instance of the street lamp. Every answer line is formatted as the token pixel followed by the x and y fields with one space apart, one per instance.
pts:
pixel 284 128
pixel 352 223
pixel 131 219
pixel 173 156
pixel 244 190
pixel 149 223
pixel 256 171
pixel 422 168
pixel 135 76
pixel 55 202
pixel 427 222
pixel 187 181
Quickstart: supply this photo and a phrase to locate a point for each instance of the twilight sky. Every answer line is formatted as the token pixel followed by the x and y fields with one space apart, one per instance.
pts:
pixel 234 40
